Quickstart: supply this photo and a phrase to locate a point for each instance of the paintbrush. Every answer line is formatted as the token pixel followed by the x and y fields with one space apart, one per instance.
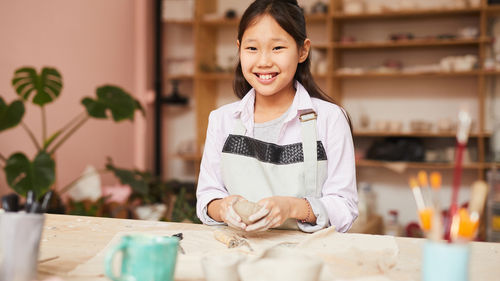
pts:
pixel 437 223
pixel 476 204
pixel 464 121
pixel 425 214
pixel 423 181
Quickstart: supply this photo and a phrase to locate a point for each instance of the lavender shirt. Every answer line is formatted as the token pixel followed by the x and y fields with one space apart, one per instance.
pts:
pixel 338 202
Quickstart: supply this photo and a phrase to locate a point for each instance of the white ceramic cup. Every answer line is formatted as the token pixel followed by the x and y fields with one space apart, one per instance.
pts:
pixel 221 267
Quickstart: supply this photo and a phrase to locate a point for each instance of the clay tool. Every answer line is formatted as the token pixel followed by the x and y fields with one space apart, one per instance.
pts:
pixel 30 198
pixel 180 236
pixel 437 225
pixel 46 200
pixel 36 208
pixel 464 121
pixel 10 202
pixel 425 214
pixel 231 240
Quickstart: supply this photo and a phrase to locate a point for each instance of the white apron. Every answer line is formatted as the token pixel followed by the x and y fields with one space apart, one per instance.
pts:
pixel 255 169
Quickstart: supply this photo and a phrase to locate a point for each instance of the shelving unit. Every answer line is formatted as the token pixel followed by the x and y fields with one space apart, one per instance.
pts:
pixel 481 14
pixel 206 83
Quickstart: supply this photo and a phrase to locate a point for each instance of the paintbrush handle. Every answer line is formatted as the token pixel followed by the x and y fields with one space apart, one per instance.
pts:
pixel 457 176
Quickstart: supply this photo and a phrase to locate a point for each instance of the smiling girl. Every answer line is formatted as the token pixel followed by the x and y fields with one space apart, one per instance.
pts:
pixel 284 145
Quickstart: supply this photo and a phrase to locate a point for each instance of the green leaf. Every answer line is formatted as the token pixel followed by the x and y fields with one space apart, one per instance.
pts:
pixel 112 98
pixel 47 86
pixel 95 109
pixel 183 210
pixel 23 175
pixel 135 179
pixel 10 115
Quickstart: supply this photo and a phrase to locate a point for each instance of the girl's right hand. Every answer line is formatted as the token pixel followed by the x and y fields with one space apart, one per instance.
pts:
pixel 228 214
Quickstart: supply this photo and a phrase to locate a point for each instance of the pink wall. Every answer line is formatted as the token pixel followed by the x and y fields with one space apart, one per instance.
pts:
pixel 91 42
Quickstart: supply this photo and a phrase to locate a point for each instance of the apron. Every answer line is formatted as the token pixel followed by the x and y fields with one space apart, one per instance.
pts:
pixel 255 169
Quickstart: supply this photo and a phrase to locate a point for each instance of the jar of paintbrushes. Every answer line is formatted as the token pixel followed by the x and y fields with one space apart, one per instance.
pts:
pixel 20 232
pixel 446 252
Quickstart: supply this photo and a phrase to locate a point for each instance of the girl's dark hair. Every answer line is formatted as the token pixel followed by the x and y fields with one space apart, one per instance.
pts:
pixel 290 17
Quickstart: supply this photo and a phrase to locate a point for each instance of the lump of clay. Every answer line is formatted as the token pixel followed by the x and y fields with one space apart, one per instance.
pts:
pixel 245 209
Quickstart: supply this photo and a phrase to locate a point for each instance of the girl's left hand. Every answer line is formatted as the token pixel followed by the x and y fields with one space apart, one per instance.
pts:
pixel 275 211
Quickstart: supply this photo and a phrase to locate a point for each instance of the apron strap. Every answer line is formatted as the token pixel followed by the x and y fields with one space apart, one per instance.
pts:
pixel 310 150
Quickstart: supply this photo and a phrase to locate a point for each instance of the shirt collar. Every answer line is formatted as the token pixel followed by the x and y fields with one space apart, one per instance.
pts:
pixel 301 103
pixel 246 106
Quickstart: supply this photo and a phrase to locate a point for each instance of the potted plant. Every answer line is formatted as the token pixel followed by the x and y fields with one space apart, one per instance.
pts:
pixel 42 88
pixel 153 199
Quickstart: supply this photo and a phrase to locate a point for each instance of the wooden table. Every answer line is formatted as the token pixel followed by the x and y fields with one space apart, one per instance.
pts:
pixel 69 241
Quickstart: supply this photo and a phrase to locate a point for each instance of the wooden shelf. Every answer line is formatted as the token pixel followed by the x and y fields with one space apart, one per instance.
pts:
pixel 408 74
pixel 492 10
pixel 321 45
pixel 414 165
pixel 411 43
pixel 180 77
pixel 215 76
pixel 490 72
pixel 415 75
pixel 410 134
pixel 179 22
pixel 220 22
pixel 488 165
pixel 317 18
pixel 406 14
pixel 321 76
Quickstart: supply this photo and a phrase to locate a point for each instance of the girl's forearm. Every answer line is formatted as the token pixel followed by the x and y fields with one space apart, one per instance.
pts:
pixel 213 209
pixel 301 210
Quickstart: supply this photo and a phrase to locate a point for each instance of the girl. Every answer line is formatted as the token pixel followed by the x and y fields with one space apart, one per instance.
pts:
pixel 283 145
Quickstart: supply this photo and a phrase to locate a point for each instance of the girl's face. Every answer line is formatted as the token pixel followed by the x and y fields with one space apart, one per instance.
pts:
pixel 269 57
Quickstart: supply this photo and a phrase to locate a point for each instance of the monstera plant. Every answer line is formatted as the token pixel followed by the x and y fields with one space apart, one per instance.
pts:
pixel 38 173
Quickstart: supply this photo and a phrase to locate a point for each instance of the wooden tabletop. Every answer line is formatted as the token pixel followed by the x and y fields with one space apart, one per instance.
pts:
pixel 70 241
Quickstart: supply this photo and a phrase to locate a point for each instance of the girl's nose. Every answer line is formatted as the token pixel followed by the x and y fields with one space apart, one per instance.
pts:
pixel 264 60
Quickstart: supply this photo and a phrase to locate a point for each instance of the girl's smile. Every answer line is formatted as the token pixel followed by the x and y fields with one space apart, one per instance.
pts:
pixel 266 78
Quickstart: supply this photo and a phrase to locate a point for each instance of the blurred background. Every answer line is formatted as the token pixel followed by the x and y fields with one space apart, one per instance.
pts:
pixel 403 69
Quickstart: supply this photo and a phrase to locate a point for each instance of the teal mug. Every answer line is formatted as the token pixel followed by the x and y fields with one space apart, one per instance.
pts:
pixel 144 258
pixel 445 261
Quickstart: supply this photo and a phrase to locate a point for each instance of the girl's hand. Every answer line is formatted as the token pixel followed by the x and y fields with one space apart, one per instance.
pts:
pixel 275 211
pixel 227 213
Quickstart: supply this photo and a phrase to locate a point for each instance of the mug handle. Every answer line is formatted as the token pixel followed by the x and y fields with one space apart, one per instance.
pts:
pixel 109 261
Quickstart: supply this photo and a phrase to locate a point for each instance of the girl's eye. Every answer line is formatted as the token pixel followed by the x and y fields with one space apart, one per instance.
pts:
pixel 278 48
pixel 251 48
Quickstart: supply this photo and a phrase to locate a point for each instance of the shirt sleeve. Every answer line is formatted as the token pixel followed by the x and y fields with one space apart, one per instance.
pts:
pixel 210 185
pixel 322 220
pixel 339 193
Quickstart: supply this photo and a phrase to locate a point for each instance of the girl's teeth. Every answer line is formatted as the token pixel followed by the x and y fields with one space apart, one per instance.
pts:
pixel 265 76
